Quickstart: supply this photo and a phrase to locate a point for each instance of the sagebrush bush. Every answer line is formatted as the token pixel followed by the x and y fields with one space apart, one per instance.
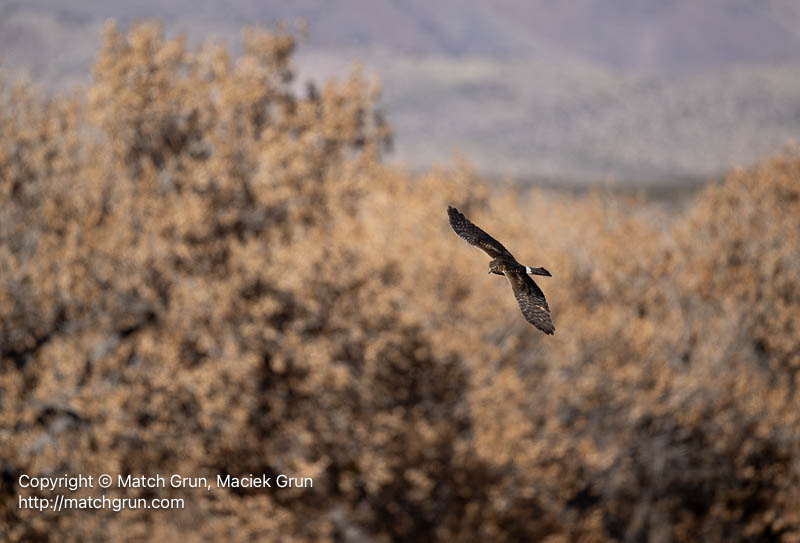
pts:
pixel 207 271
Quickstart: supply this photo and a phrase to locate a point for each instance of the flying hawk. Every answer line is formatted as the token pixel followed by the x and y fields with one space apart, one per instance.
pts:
pixel 529 296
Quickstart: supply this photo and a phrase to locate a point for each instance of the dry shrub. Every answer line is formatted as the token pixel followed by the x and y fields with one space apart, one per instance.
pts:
pixel 206 272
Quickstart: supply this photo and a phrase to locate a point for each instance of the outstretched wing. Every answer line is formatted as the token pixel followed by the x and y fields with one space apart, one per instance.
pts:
pixel 531 301
pixel 475 236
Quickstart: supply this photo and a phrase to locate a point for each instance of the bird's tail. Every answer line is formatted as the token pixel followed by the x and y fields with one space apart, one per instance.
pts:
pixel 537 271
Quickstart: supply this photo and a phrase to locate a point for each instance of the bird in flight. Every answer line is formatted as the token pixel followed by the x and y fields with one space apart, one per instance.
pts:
pixel 529 296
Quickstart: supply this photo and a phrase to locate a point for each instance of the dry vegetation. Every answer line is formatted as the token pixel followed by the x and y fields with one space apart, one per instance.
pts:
pixel 205 272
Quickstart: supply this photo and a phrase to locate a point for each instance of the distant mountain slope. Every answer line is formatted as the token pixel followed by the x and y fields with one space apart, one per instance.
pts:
pixel 635 90
pixel 570 120
pixel 630 34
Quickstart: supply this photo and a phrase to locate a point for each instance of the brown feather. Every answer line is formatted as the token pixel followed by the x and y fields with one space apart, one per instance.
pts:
pixel 531 301
pixel 473 235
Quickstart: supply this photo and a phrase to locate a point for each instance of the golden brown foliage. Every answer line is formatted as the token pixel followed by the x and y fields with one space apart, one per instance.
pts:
pixel 205 272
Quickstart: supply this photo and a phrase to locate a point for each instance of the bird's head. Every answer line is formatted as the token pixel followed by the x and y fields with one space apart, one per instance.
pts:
pixel 494 267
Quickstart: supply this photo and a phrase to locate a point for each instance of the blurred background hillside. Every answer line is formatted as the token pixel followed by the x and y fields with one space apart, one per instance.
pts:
pixel 568 92
pixel 209 267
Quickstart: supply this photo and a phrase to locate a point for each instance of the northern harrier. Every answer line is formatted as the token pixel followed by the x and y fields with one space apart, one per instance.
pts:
pixel 529 296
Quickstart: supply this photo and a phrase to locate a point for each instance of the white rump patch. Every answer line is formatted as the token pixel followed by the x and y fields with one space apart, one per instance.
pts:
pixel 528 270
